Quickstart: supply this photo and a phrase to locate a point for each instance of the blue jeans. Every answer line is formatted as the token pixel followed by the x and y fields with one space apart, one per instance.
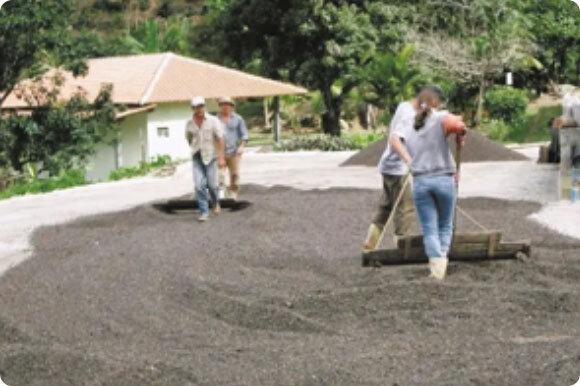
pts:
pixel 205 177
pixel 435 203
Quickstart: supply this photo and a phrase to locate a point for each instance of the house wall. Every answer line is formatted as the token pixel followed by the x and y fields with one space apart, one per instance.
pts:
pixel 101 164
pixel 139 139
pixel 130 150
pixel 172 116
pixel 133 140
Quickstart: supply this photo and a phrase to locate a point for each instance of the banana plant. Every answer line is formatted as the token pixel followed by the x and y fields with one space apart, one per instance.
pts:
pixel 152 36
pixel 391 78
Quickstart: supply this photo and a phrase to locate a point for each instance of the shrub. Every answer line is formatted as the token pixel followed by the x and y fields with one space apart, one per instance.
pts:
pixel 506 103
pixel 319 142
pixel 110 5
pixel 65 180
pixel 141 170
pixel 144 5
pixel 495 129
pixel 364 139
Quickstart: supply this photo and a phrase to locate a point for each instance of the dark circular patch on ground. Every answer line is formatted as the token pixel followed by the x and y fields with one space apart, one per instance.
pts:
pixel 275 295
pixel 183 204
pixel 477 149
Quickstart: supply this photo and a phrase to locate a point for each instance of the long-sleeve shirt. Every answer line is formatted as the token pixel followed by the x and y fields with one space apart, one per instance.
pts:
pixel 235 132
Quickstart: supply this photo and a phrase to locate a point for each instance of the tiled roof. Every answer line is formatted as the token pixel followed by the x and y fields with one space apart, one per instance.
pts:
pixel 160 78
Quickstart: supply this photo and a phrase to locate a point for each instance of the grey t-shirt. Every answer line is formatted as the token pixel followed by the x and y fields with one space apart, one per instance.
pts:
pixel 429 149
pixel 401 124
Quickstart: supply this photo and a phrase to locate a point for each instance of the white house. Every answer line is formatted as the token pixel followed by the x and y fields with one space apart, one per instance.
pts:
pixel 155 91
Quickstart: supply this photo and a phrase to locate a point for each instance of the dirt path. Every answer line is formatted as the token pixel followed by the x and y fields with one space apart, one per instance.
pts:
pixel 275 295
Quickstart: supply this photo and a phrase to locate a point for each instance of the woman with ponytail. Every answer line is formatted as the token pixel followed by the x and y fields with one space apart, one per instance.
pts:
pixel 429 157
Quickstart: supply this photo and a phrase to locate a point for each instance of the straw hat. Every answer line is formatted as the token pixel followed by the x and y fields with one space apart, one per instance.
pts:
pixel 226 100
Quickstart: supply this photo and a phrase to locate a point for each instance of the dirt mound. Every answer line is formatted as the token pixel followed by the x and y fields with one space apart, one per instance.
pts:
pixel 478 148
pixel 275 294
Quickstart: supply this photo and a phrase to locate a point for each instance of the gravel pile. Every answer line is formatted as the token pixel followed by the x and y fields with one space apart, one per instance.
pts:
pixel 274 294
pixel 477 148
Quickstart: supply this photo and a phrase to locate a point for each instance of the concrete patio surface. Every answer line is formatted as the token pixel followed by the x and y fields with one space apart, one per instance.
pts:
pixel 521 180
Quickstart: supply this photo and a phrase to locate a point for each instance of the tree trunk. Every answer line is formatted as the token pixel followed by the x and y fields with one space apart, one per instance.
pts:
pixel 480 100
pixel 331 118
pixel 267 124
pixel 563 64
pixel 331 122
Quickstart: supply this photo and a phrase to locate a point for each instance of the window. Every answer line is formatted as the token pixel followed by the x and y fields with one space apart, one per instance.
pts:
pixel 163 132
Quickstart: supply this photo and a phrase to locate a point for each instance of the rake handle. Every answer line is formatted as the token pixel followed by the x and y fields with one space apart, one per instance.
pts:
pixel 458 170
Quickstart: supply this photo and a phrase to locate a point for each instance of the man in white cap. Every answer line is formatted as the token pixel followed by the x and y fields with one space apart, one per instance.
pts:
pixel 235 138
pixel 205 136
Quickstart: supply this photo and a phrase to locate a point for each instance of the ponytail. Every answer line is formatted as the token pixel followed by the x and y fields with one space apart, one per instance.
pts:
pixel 422 114
pixel 427 100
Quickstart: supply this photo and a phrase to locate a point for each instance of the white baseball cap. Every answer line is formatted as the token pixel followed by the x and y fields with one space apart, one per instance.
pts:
pixel 197 101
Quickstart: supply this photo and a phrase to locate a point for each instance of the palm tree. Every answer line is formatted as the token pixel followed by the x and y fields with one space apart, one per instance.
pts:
pixel 391 78
pixel 152 36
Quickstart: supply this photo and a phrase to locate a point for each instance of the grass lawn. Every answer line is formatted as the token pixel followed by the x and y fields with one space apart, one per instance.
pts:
pixel 535 128
pixel 362 138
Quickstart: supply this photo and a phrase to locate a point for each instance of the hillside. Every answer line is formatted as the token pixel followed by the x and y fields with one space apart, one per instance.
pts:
pixel 110 17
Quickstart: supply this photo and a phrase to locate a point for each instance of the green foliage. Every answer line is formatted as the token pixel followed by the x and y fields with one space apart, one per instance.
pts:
pixel 250 108
pixel 506 103
pixel 141 170
pixel 29 31
pixel 316 103
pixel 392 78
pixel 56 136
pixel 110 5
pixel 144 4
pixel 362 140
pixel 555 27
pixel 152 36
pixel 534 126
pixel 169 8
pixel 65 180
pixel 329 143
pixel 495 129
pixel 319 44
pixel 319 142
pixel 90 44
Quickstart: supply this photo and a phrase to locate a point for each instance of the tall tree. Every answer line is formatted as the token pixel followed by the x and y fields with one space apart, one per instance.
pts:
pixel 30 30
pixel 34 36
pixel 317 43
pixel 56 135
pixel 481 40
pixel 555 27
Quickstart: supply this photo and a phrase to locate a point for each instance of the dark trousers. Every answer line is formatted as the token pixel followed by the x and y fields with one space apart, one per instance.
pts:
pixel 405 211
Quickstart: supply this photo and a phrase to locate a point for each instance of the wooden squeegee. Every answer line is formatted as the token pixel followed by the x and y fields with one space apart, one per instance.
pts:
pixel 464 247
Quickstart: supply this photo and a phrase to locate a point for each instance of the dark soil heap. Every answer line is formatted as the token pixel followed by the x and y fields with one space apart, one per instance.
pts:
pixel 477 149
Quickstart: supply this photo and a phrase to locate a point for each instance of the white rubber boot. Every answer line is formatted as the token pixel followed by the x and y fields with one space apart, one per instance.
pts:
pixel 372 239
pixel 438 267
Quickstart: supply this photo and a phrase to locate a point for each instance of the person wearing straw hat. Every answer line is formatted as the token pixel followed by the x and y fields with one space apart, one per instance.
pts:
pixel 235 138
pixel 205 136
